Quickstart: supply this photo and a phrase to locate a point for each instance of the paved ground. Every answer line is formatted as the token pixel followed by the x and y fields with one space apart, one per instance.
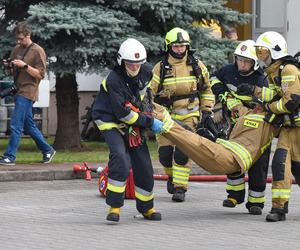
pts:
pixel 66 212
pixel 70 214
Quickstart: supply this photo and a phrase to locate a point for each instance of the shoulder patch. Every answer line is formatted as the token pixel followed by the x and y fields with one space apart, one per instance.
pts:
pixel 284 86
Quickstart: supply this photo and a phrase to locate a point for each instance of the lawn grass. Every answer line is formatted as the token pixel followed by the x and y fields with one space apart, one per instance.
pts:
pixel 92 152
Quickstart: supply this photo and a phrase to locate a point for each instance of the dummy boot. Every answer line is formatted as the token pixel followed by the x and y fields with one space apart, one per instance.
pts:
pixel 179 195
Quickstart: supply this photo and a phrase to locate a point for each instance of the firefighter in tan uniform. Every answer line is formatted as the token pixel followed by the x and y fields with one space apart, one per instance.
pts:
pixel 180 83
pixel 284 74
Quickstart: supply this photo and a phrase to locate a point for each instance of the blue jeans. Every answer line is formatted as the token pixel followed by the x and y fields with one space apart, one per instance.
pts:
pixel 22 118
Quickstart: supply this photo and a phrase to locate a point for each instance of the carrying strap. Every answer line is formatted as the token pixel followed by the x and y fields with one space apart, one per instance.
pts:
pixel 197 72
pixel 18 70
pixel 294 60
pixel 165 66
pixel 288 60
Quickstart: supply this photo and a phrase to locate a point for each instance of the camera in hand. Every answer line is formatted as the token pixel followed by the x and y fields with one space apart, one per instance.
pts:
pixel 8 64
pixel 11 90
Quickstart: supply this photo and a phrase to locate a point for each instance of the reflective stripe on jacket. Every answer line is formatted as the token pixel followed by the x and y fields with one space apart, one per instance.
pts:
pixel 180 81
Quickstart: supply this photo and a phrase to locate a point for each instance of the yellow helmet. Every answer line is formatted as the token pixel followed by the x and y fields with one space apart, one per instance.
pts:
pixel 177 35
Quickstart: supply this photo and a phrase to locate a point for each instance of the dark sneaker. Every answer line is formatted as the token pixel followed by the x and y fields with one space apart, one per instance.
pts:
pixel 179 195
pixel 7 162
pixel 255 210
pixel 47 158
pixel 230 202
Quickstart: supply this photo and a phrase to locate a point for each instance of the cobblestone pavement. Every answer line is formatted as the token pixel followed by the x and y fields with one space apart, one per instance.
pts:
pixel 70 214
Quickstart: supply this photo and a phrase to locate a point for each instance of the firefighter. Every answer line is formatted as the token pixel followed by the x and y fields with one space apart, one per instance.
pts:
pixel 224 83
pixel 118 113
pixel 180 83
pixel 284 75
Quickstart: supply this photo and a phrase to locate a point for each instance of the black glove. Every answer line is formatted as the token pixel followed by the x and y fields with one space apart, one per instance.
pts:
pixel 245 89
pixel 274 119
pixel 205 116
pixel 204 132
pixel 206 127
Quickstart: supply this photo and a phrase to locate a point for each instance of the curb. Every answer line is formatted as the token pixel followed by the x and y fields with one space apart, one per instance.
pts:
pixel 65 172
pixel 39 175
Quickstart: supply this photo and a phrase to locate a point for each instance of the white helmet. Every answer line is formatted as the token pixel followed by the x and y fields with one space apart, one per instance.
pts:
pixel 131 50
pixel 273 41
pixel 246 49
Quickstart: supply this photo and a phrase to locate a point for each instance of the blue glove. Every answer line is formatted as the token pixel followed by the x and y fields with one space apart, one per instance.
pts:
pixel 157 126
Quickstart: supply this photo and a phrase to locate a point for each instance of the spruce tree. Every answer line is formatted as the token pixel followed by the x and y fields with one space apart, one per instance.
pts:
pixel 83 36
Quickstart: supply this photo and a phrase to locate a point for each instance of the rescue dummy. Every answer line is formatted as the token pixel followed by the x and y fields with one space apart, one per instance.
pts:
pixel 250 137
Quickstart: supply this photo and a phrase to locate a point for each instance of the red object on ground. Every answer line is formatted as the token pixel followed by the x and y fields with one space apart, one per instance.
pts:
pixel 103 181
pixel 84 168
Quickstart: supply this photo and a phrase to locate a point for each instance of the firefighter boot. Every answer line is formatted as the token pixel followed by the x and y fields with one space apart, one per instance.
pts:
pixel 255 210
pixel 113 215
pixel 230 202
pixel 170 185
pixel 275 215
pixel 151 214
pixel 179 195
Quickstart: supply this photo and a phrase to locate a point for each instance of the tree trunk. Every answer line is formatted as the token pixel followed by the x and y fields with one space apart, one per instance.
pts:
pixel 67 102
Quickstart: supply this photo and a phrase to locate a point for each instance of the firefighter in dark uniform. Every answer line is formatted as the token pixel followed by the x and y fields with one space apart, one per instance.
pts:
pixel 118 113
pixel 224 83
pixel 284 75
pixel 181 83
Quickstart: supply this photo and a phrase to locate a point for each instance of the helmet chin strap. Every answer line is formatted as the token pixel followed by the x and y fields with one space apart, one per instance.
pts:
pixel 176 55
pixel 246 73
pixel 265 64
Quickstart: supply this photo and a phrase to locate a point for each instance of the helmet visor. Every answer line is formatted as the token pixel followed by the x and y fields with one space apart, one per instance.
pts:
pixel 132 68
pixel 245 60
pixel 126 61
pixel 180 44
pixel 262 53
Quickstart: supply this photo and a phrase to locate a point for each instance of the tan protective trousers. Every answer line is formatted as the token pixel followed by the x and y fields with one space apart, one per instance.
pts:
pixel 289 141
pixel 211 156
pixel 163 141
